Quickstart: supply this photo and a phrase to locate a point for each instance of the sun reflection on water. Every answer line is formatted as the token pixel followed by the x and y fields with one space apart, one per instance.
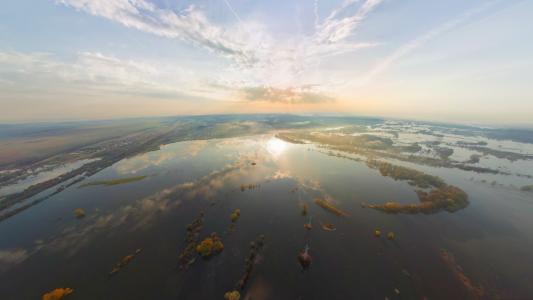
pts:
pixel 276 147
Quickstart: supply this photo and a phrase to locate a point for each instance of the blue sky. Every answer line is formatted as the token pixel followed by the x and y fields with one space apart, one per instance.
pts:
pixel 459 61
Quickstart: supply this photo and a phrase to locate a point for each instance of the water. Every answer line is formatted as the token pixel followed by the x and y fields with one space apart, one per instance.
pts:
pixel 41 176
pixel 46 247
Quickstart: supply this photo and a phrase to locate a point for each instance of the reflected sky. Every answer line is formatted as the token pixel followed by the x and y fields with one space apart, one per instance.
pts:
pixel 276 147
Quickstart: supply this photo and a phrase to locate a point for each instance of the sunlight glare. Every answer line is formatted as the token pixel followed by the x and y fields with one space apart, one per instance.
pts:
pixel 276 146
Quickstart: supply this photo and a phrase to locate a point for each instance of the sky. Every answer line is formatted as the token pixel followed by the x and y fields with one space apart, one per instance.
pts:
pixel 446 61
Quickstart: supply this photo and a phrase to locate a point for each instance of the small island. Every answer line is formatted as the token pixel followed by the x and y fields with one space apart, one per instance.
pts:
pixel 440 196
pixel 112 182
pixel 330 207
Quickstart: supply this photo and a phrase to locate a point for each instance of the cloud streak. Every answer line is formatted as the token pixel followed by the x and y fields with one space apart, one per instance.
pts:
pixel 232 10
pixel 418 42
pixel 190 25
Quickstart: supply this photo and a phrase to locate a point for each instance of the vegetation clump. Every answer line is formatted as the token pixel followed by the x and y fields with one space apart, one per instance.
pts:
pixel 305 209
pixel 330 207
pixel 112 182
pixel 304 258
pixel 527 188
pixel 443 152
pixel 79 213
pixel 250 186
pixel 377 233
pixel 308 225
pixel 187 255
pixel 477 292
pixel 328 227
pixel 124 261
pixel 391 235
pixel 414 177
pixel 288 137
pixel 440 197
pixel 474 159
pixel 511 156
pixel 210 246
pixel 250 262
pixel 235 215
pixel 57 294
pixel 412 148
pixel 233 295
pixel 374 146
pixel 449 198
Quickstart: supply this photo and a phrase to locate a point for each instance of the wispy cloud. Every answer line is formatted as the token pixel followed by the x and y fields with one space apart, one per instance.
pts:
pixel 258 58
pixel 315 12
pixel 335 29
pixel 419 41
pixel 340 9
pixel 95 71
pixel 230 7
pixel 190 25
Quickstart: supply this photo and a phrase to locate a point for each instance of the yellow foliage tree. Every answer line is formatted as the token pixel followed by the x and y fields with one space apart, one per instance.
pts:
pixel 57 294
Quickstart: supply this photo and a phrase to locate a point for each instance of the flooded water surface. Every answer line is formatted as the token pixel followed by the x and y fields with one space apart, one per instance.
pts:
pixel 139 224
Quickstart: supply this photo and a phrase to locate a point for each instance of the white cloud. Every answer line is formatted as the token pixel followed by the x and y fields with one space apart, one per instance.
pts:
pixel 295 95
pixel 281 70
pixel 190 25
pixel 258 58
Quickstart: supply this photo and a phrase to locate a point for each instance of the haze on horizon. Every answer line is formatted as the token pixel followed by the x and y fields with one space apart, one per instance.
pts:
pixel 459 61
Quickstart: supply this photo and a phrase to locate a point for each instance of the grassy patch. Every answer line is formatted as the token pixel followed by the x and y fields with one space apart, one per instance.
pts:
pixel 113 181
